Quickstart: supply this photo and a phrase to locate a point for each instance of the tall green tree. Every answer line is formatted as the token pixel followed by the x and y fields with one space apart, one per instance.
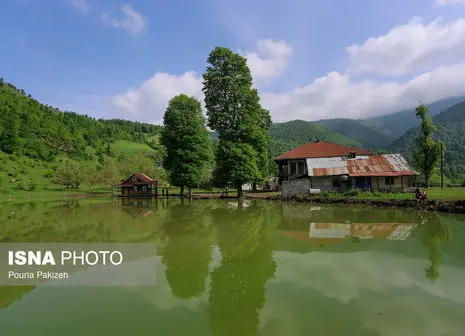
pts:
pixel 427 151
pixel 187 141
pixel 9 139
pixel 235 113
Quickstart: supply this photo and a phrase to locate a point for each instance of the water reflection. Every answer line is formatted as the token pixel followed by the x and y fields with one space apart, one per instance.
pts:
pixel 237 290
pixel 252 268
pixel 436 233
pixel 188 252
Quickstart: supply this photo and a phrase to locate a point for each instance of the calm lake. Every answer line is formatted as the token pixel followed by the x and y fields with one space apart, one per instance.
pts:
pixel 248 268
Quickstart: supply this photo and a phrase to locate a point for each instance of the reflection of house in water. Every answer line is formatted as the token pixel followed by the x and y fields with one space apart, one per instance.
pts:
pixel 392 231
pixel 321 226
pixel 138 207
pixel 323 233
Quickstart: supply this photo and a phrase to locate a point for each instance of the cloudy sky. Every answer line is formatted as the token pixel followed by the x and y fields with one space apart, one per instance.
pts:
pixel 310 59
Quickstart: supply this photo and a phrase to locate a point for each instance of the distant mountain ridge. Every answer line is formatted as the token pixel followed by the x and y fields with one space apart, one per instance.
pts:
pixel 379 132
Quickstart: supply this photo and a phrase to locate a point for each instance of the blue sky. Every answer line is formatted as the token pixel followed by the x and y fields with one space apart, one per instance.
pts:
pixel 127 59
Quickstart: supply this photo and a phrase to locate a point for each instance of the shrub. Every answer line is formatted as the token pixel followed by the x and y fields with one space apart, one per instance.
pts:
pixel 48 174
pixel 33 185
pixel 351 193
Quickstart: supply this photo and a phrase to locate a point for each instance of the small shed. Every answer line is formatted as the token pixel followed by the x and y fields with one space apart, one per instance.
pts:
pixel 137 185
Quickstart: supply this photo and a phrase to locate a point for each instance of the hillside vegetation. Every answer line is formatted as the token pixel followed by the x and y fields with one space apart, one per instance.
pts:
pixel 367 136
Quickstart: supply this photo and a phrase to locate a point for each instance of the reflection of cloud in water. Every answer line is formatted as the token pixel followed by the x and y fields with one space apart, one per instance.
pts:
pixel 344 276
pixel 368 283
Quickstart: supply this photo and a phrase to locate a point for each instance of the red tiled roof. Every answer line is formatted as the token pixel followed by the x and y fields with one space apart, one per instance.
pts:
pixel 318 149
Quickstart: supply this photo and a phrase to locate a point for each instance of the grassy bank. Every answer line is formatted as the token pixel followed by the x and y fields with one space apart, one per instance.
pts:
pixel 436 193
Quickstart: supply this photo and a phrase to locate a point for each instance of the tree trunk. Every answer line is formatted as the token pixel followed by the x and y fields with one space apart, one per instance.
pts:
pixel 182 191
pixel 426 181
pixel 190 192
pixel 240 192
pixel 254 186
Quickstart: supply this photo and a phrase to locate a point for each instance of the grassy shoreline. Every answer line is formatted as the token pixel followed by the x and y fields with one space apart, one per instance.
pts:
pixel 57 193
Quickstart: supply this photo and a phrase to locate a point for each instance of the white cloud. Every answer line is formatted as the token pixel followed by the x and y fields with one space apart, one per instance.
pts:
pixel 80 5
pixel 150 99
pixel 332 96
pixel 412 47
pixel 336 95
pixel 270 60
pixel 133 21
pixel 409 48
pixel 440 3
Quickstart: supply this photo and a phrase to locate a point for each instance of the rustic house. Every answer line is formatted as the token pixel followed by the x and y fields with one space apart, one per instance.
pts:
pixel 328 166
pixel 137 185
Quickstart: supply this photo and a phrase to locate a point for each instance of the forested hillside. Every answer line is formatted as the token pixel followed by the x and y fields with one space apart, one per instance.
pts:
pixel 451 130
pixel 291 134
pixel 33 135
pixel 357 130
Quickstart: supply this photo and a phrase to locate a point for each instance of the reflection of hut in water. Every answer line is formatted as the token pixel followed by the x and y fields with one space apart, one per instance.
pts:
pixel 137 207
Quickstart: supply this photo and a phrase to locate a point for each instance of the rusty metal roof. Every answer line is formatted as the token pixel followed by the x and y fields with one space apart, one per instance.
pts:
pixel 376 165
pixel 321 149
pixel 380 165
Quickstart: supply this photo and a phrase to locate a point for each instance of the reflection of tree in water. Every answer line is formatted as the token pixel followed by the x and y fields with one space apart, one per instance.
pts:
pixel 188 252
pixel 238 286
pixel 436 232
pixel 10 294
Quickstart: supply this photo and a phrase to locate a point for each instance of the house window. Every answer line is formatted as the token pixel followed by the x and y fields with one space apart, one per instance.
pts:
pixel 301 167
pixel 134 179
pixel 293 168
pixel 336 182
pixel 352 155
pixel 389 180
pixel 144 188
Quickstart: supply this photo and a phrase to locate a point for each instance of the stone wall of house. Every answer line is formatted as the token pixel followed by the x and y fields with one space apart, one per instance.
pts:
pixel 295 187
pixel 324 183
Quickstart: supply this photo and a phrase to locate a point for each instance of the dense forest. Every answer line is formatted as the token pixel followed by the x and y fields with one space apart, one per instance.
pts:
pixel 40 144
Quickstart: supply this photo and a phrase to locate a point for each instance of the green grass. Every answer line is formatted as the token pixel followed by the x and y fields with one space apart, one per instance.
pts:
pixel 448 194
pixel 52 192
pixel 127 147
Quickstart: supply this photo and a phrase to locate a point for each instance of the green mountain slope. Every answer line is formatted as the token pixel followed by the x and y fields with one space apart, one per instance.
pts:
pixel 364 134
pixel 450 129
pixel 291 134
pixel 396 124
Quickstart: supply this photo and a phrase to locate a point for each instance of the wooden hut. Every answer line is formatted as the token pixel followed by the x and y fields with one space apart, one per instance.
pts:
pixel 138 185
